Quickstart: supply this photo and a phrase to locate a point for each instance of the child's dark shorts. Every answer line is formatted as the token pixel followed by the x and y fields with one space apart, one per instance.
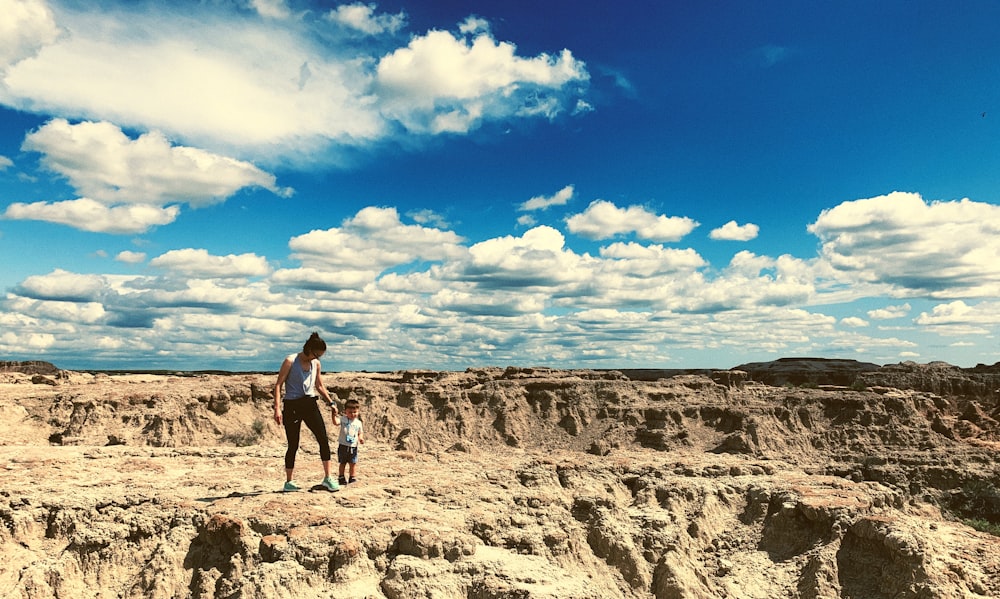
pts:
pixel 347 454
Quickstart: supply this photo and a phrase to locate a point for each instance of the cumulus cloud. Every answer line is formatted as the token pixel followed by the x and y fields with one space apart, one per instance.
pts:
pixel 362 17
pixel 130 257
pixel 651 260
pixel 279 88
pixel 62 285
pixel 374 239
pixel 854 321
pixel 889 312
pixel 5 163
pixel 441 83
pixel 216 81
pixel 129 185
pixel 428 217
pixel 604 220
pixel 536 259
pixel 199 263
pixel 87 215
pixel 560 198
pixel 324 279
pixel 942 249
pixel 26 27
pixel 960 319
pixel 274 9
pixel 61 311
pixel 732 231
pixel 103 163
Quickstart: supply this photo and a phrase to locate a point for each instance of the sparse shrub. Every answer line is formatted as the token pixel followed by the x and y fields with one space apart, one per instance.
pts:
pixel 978 506
pixel 245 439
pixel 983 525
pixel 859 385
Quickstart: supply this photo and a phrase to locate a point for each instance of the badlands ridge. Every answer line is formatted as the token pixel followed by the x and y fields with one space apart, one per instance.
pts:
pixel 799 478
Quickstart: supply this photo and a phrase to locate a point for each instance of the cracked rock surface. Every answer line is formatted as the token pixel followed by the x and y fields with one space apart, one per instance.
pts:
pixel 496 483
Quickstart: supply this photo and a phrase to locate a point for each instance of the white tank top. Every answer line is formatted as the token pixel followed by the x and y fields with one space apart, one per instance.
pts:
pixel 300 383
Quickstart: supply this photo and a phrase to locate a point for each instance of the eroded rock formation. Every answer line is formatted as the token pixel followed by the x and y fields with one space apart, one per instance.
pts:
pixel 491 483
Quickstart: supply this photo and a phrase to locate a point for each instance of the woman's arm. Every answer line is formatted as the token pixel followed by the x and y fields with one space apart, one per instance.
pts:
pixel 286 365
pixel 320 386
pixel 326 394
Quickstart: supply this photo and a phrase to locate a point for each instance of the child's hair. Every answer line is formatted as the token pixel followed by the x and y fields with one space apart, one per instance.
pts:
pixel 315 345
pixel 352 403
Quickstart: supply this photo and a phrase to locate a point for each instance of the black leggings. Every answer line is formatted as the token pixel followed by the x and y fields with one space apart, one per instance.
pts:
pixel 293 414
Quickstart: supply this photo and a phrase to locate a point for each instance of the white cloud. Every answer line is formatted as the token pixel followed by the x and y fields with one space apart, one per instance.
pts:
pixel 854 321
pixel 536 259
pixel 130 185
pixel 26 27
pixel 603 220
pixel 945 249
pixel 362 17
pixel 324 280
pixel 889 312
pixel 392 294
pixel 428 217
pixel 474 25
pixel 87 215
pixel 651 260
pixel 5 163
pixel 274 9
pixel 732 231
pixel 104 164
pixel 560 198
pixel 960 313
pixel 582 107
pixel 374 239
pixel 61 311
pixel 199 263
pixel 63 286
pixel 493 305
pixel 130 257
pixel 222 82
pixel 279 88
pixel 443 84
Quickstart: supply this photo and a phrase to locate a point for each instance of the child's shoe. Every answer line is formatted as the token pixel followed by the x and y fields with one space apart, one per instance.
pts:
pixel 343 480
pixel 352 480
pixel 330 484
pixel 290 486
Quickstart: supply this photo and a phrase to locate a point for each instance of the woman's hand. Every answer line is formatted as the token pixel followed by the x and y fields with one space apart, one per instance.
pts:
pixel 277 415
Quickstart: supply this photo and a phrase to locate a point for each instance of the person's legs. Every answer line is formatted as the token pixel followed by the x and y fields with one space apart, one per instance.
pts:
pixel 293 424
pixel 314 421
pixel 344 456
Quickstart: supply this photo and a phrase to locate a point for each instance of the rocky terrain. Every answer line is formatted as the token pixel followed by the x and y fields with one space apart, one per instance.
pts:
pixel 799 478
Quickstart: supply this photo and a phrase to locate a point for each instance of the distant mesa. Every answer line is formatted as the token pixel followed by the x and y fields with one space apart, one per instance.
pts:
pixel 807 371
pixel 29 367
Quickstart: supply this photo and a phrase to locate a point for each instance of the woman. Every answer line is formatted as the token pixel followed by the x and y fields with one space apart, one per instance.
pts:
pixel 303 384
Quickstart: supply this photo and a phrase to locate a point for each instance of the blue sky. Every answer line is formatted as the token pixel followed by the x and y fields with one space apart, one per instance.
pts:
pixel 442 185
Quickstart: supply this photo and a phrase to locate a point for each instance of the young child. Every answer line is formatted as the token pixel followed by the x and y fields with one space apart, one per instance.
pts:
pixel 352 434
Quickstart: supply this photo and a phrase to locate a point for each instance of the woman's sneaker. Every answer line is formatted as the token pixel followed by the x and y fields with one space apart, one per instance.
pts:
pixel 330 484
pixel 290 486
